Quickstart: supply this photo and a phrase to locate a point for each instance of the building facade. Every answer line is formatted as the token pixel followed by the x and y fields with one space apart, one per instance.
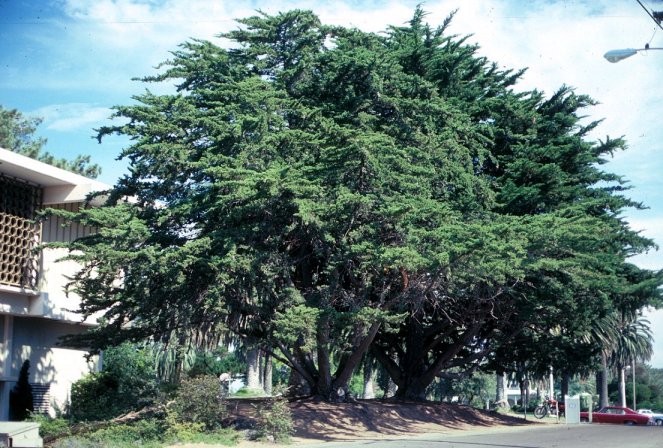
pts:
pixel 35 309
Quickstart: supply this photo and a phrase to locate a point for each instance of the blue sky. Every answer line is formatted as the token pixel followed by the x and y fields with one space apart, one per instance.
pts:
pixel 69 61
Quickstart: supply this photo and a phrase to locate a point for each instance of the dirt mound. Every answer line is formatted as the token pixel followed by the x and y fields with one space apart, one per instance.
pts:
pixel 318 420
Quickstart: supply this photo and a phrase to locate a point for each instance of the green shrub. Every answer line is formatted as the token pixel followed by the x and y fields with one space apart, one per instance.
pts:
pixel 198 400
pixel 128 382
pixel 49 427
pixel 184 432
pixel 144 433
pixel 95 397
pixel 275 421
pixel 196 433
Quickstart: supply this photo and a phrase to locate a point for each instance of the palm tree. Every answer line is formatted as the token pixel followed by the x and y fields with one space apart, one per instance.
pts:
pixel 622 337
pixel 634 342
pixel 604 333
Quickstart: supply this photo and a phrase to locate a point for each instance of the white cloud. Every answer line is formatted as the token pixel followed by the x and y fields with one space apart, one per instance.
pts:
pixel 72 116
pixel 655 318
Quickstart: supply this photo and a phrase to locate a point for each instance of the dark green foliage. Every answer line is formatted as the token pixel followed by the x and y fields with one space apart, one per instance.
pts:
pixel 149 433
pixel 51 427
pixel 275 421
pixel 386 192
pixel 475 390
pixel 20 397
pixel 127 383
pixel 142 431
pixel 216 362
pixel 198 401
pixel 648 390
pixel 17 134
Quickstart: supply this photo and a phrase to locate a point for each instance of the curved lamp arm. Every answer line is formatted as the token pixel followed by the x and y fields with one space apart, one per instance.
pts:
pixel 617 55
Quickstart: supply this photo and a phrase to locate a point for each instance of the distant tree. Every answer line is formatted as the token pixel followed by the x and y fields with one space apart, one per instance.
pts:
pixel 17 134
pixel 215 362
pixel 21 402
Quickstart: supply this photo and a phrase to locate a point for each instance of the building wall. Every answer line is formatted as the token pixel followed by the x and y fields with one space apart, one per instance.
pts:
pixel 57 367
pixel 32 322
pixel 54 301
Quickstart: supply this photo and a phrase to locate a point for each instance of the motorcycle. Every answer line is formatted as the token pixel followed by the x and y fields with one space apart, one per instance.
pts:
pixel 549 406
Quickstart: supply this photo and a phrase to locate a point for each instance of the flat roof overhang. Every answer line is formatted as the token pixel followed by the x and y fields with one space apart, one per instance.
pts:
pixel 60 186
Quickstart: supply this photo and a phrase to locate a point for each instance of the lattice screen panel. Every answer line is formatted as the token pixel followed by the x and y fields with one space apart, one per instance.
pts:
pixel 19 234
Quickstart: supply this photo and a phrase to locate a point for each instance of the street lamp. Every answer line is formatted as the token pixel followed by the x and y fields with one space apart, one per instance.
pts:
pixel 617 55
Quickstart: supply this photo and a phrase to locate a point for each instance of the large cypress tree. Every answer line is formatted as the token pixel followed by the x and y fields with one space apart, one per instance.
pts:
pixel 319 190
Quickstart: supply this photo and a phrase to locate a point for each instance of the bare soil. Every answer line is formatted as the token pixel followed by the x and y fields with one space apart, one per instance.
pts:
pixel 375 419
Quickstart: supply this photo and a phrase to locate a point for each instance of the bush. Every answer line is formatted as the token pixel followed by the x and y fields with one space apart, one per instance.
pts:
pixel 51 427
pixel 198 400
pixel 144 433
pixel 275 421
pixel 95 397
pixel 127 383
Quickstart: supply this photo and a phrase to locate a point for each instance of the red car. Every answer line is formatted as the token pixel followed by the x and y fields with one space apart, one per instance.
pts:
pixel 616 414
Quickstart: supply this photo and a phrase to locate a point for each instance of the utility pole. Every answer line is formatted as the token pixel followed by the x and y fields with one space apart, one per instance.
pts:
pixel 634 408
pixel 552 385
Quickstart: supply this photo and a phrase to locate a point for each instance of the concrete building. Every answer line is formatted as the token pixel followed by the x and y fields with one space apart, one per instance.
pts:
pixel 34 308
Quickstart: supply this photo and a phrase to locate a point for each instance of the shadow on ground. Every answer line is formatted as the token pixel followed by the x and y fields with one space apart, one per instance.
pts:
pixel 360 419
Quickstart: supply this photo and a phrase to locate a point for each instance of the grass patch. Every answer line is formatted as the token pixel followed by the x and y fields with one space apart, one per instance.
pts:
pixel 248 393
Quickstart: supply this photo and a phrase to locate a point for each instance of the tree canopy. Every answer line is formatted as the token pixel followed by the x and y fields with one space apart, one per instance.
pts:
pixel 326 192
pixel 17 134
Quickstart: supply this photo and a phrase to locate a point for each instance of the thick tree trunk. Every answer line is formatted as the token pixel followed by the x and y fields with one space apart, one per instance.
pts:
pixel 315 367
pixel 521 385
pixel 261 369
pixel 500 392
pixel 253 369
pixel 392 388
pixel 369 379
pixel 267 374
pixel 565 384
pixel 324 383
pixel 412 389
pixel 350 363
pixel 297 385
pixel 411 383
pixel 414 372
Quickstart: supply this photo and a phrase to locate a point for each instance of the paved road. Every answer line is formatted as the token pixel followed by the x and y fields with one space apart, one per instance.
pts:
pixel 548 436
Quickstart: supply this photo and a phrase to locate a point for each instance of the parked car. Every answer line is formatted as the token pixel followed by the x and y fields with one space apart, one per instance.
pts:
pixel 656 418
pixel 618 415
